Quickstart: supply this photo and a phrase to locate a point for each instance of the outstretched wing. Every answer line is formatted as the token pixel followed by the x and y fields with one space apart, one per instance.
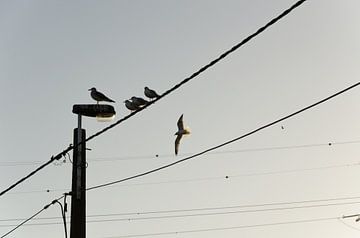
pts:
pixel 180 123
pixel 177 143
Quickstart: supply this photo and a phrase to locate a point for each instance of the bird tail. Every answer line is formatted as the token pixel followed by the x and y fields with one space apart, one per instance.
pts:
pixel 188 131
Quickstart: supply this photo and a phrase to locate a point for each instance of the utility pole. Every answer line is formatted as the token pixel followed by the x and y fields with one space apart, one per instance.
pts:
pixel 78 193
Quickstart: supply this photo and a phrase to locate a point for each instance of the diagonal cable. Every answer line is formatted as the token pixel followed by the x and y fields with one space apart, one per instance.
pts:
pixel 228 142
pixel 32 217
pixel 201 70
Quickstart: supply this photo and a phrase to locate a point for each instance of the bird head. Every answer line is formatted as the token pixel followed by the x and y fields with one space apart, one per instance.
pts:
pixel 92 89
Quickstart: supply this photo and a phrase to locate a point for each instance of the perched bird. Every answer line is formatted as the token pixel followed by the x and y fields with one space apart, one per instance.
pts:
pixel 138 101
pixel 98 96
pixel 150 93
pixel 181 131
pixel 131 106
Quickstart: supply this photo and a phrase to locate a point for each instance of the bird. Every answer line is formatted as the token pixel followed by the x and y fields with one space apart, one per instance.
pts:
pixel 181 131
pixel 150 93
pixel 139 101
pixel 131 106
pixel 98 96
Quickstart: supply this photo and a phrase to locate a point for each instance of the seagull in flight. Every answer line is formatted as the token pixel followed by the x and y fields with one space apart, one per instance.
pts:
pixel 150 93
pixel 131 106
pixel 181 131
pixel 98 96
pixel 138 101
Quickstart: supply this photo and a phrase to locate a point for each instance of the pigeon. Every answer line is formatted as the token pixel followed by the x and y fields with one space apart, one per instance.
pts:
pixel 181 131
pixel 138 101
pixel 131 106
pixel 150 93
pixel 98 96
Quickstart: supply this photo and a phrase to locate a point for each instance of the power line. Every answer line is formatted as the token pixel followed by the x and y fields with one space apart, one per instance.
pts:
pixel 201 209
pixel 158 156
pixel 22 223
pixel 226 212
pixel 258 149
pixel 222 228
pixel 224 177
pixel 227 177
pixel 227 228
pixel 239 206
pixel 192 214
pixel 227 142
pixel 186 80
pixel 32 217
pixel 63 211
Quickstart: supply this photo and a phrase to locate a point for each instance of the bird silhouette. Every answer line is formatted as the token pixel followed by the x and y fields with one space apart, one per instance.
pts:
pixel 150 93
pixel 138 101
pixel 181 131
pixel 98 96
pixel 131 106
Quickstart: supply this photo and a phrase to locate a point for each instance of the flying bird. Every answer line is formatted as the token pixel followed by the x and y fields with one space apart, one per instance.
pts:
pixel 150 93
pixel 138 101
pixel 98 96
pixel 131 106
pixel 181 131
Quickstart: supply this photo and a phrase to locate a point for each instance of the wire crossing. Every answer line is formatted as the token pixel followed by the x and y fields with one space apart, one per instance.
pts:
pixel 186 80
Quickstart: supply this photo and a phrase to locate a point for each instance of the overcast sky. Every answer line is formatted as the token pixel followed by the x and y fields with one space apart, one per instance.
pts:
pixel 52 52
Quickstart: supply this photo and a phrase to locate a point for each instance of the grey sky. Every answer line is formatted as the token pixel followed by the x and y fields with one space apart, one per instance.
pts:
pixel 53 51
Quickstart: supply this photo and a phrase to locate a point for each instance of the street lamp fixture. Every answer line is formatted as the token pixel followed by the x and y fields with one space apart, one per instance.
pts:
pixel 94 110
pixel 78 194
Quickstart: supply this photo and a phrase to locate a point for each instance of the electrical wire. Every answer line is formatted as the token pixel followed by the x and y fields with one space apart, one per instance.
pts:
pixel 22 223
pixel 227 142
pixel 226 228
pixel 184 81
pixel 202 209
pixel 141 157
pixel 199 179
pixel 32 217
pixel 227 177
pixel 63 215
pixel 235 207
pixel 53 158
pixel 259 149
pixel 195 214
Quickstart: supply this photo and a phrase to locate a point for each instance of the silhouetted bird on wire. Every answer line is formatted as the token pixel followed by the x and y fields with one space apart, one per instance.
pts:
pixel 150 93
pixel 98 96
pixel 138 101
pixel 131 106
pixel 181 131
